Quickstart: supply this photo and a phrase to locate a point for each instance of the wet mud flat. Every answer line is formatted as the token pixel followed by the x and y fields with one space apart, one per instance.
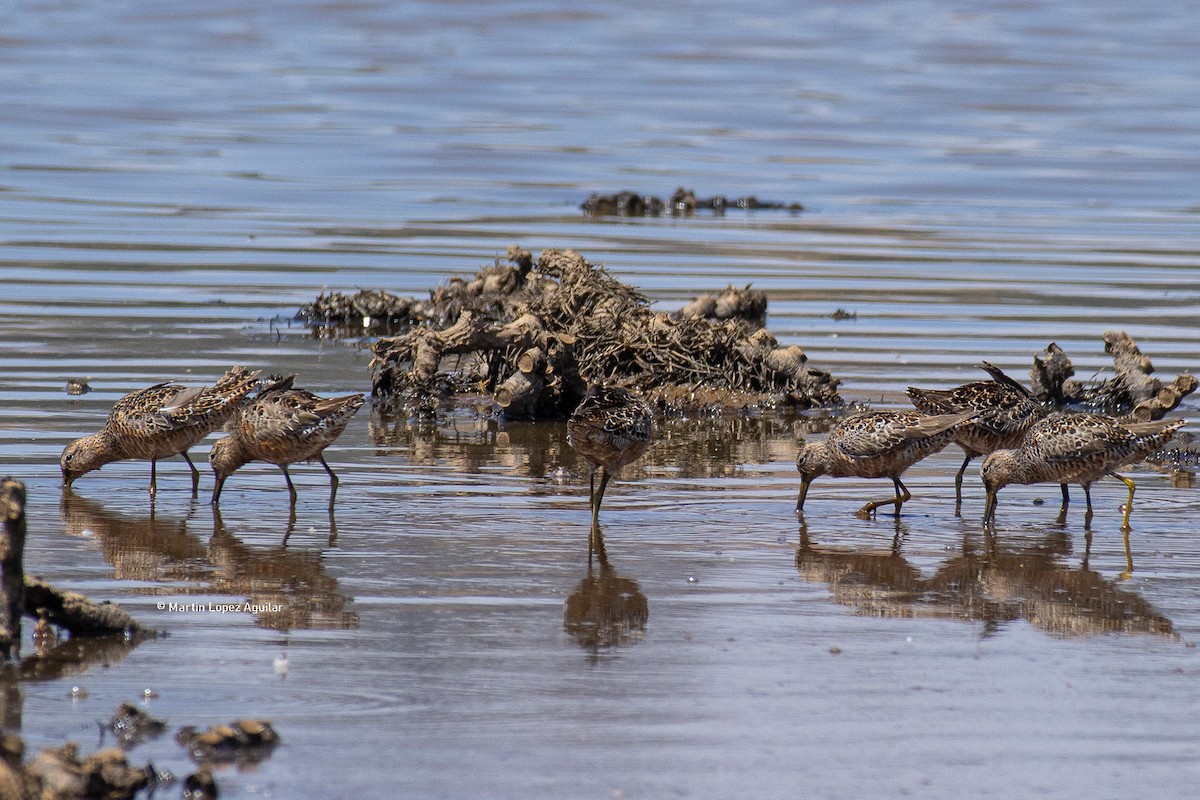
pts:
pixel 448 615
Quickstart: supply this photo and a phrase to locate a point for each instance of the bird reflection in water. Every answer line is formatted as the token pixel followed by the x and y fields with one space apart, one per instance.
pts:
pixel 988 582
pixel 605 610
pixel 283 588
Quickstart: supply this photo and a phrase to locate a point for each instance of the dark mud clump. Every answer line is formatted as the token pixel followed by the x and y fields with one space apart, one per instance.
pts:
pixel 683 203
pixel 534 333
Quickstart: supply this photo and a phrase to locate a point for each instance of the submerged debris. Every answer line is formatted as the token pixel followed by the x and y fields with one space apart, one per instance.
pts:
pixel 131 725
pixel 535 333
pixel 77 386
pixel 247 741
pixel 682 203
pixel 1130 392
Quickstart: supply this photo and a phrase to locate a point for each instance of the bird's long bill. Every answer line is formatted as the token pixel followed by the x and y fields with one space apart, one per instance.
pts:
pixel 216 498
pixel 989 507
pixel 68 479
pixel 804 484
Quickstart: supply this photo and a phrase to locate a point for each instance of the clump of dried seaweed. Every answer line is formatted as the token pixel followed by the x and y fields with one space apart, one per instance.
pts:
pixel 682 203
pixel 1132 391
pixel 493 293
pixel 558 323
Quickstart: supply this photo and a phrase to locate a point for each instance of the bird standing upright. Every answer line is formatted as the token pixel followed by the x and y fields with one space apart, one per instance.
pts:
pixel 611 427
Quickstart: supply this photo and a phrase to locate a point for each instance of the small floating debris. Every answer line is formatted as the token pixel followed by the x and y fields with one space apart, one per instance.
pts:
pixel 131 725
pixel 76 386
pixel 246 741
pixel 682 203
pixel 842 313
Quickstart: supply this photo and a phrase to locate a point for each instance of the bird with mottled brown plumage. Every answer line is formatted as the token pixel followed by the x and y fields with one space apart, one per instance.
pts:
pixel 1006 410
pixel 877 444
pixel 1075 448
pixel 158 422
pixel 283 425
pixel 611 427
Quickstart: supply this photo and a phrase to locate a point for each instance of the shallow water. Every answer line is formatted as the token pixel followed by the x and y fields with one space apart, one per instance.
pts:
pixel 979 181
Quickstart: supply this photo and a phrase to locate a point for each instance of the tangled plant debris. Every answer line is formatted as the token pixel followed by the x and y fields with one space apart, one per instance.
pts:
pixel 534 333
pixel 1132 391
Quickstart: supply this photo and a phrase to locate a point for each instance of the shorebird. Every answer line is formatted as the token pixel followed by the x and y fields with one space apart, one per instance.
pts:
pixel 158 422
pixel 283 425
pixel 877 444
pixel 1006 410
pixel 610 427
pixel 1075 448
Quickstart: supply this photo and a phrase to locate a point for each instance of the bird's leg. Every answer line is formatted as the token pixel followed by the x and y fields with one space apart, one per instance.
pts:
pixel 1087 492
pixel 291 488
pixel 1128 555
pixel 195 473
pixel 1129 502
pixel 291 524
pixel 902 495
pixel 600 494
pixel 153 477
pixel 958 479
pixel 1066 494
pixel 592 492
pixel 333 481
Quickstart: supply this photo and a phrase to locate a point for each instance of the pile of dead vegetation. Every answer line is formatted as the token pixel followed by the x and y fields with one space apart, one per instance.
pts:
pixel 534 333
pixel 1132 391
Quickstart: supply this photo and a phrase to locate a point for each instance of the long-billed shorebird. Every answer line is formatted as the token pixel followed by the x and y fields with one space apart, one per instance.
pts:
pixel 158 422
pixel 283 425
pixel 1006 410
pixel 877 444
pixel 611 427
pixel 1075 448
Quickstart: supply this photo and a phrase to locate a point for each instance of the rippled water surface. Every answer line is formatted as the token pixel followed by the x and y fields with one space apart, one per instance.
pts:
pixel 979 180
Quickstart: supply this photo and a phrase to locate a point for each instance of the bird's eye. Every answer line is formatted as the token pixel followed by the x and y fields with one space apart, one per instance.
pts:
pixel 69 456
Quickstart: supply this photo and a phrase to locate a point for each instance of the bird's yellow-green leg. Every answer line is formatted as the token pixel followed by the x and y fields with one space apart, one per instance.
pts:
pixel 1129 502
pixel 902 495
pixel 1128 555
